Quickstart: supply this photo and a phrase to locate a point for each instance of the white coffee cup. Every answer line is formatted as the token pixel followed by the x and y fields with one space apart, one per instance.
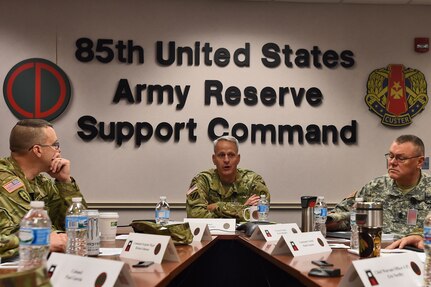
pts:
pixel 108 225
pixel 251 213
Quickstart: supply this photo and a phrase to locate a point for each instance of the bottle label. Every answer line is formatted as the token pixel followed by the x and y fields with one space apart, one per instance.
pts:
pixel 78 222
pixel 162 214
pixel 34 236
pixel 427 234
pixel 323 212
pixel 263 208
pixel 352 218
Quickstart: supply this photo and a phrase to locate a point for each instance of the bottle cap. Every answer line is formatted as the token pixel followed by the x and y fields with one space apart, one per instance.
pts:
pixel 163 197
pixel 263 195
pixel 76 199
pixel 37 204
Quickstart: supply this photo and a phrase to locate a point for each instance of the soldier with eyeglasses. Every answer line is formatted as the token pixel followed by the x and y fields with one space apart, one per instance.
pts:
pixel 35 150
pixel 405 192
pixel 223 192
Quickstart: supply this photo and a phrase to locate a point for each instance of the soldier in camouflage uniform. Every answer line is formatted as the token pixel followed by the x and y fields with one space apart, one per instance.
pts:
pixel 226 190
pixel 405 190
pixel 8 246
pixel 37 277
pixel 34 149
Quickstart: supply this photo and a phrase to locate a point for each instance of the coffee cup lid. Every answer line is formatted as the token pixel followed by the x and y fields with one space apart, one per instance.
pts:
pixel 92 211
pixel 369 205
pixel 308 201
pixel 108 215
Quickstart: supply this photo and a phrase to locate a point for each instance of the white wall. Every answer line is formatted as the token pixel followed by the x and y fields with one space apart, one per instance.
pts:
pixel 132 178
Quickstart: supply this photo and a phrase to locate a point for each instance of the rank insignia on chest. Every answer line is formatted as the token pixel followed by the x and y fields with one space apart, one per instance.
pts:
pixel 13 185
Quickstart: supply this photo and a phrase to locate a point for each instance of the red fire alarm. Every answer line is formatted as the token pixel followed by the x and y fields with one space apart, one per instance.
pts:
pixel 422 45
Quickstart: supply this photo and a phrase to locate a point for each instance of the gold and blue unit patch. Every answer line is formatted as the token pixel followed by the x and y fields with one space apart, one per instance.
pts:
pixel 396 94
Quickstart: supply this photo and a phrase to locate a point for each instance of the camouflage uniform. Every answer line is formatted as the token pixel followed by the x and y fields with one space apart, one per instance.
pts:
pixel 37 277
pixel 8 246
pixel 395 203
pixel 206 188
pixel 16 192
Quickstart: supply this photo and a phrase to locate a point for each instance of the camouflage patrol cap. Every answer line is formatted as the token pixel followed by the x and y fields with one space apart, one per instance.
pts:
pixel 180 232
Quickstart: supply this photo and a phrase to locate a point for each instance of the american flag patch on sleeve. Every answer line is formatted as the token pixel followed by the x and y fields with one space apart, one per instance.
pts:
pixel 13 185
pixel 193 188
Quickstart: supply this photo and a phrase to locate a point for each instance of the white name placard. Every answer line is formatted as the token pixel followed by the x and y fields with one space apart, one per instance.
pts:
pixel 149 247
pixel 217 226
pixel 269 246
pixel 405 269
pixel 200 231
pixel 272 232
pixel 302 244
pixel 67 270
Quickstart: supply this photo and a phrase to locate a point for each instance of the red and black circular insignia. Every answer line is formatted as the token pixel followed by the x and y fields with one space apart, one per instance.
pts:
pixel 37 88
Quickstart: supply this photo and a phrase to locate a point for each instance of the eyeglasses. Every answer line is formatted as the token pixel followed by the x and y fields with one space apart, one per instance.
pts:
pixel 399 159
pixel 55 145
pixel 228 155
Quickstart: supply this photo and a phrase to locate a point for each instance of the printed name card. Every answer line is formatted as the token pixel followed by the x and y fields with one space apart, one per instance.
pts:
pixel 272 232
pixel 149 247
pixel 217 226
pixel 302 244
pixel 200 231
pixel 404 269
pixel 71 270
pixel 269 246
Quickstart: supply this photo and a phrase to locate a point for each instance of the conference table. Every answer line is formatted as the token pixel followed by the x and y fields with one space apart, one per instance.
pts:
pixel 234 260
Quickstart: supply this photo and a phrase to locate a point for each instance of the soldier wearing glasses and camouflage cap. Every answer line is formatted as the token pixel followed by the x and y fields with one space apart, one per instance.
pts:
pixel 34 149
pixel 226 190
pixel 405 192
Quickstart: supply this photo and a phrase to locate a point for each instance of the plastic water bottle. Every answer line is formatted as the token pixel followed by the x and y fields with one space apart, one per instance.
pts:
pixel 427 245
pixel 263 208
pixel 320 214
pixel 34 232
pixel 162 211
pixel 354 236
pixel 76 228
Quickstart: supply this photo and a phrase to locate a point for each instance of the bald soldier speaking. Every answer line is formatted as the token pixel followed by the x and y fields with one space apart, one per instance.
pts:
pixel 224 192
